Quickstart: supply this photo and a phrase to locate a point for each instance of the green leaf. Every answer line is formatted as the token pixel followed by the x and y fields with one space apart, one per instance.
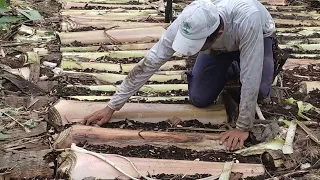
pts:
pixel 4 137
pixel 30 124
pixel 303 107
pixel 10 19
pixel 31 14
pixel 286 122
pixel 290 101
pixel 4 10
pixel 3 4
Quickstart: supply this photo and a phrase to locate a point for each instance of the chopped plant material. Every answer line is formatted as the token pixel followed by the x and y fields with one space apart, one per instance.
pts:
pixel 275 144
pixel 288 144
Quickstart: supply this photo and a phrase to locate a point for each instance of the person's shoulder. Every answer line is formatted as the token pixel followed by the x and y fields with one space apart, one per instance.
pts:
pixel 242 4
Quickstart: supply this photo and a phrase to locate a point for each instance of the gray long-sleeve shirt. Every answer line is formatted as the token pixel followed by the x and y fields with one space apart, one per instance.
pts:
pixel 246 23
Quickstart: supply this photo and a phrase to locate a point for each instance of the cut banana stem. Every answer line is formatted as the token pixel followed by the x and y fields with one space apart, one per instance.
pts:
pixel 288 144
pixel 148 88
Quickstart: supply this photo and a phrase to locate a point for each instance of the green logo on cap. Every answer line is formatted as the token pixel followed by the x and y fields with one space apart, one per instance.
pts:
pixel 186 27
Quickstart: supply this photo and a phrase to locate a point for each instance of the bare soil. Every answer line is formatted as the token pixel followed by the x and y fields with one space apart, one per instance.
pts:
pixel 172 152
pixel 160 126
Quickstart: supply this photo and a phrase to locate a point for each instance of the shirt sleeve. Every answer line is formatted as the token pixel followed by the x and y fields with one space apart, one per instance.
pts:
pixel 142 72
pixel 251 63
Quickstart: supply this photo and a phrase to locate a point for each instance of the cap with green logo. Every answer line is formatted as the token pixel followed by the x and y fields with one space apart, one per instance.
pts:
pixel 196 22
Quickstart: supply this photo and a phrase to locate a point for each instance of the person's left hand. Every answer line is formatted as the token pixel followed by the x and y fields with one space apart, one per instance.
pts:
pixel 235 138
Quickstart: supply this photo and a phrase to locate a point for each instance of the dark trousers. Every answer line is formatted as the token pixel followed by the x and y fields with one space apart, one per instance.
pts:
pixel 210 74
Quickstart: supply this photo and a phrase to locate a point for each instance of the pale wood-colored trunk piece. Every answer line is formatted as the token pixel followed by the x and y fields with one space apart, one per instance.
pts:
pixel 304 40
pixel 72 24
pixel 147 88
pixel 106 1
pixel 138 35
pixel 124 137
pixel 77 162
pixel 115 17
pixel 274 2
pixel 305 56
pixel 68 111
pixel 116 67
pixel 26 165
pixel 106 12
pixel 295 29
pixel 307 86
pixel 124 47
pixel 292 63
pixel 301 47
pixel 69 5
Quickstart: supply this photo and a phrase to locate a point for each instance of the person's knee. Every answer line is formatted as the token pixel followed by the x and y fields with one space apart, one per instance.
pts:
pixel 201 101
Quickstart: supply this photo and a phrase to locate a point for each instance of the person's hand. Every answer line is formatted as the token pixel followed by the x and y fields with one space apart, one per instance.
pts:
pixel 99 117
pixel 235 138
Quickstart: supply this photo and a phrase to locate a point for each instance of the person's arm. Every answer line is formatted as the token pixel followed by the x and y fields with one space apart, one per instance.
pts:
pixel 141 73
pixel 251 64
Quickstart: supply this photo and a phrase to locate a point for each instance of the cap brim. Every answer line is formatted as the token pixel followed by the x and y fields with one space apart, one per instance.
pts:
pixel 187 47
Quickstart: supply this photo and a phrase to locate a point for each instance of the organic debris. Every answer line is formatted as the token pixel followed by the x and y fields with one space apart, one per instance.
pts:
pixel 61 60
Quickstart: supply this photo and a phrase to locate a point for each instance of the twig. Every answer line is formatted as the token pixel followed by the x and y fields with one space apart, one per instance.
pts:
pixel 291 174
pixel 33 102
pixel 259 113
pixel 25 128
pixel 140 134
pixel 2 52
pixel 13 146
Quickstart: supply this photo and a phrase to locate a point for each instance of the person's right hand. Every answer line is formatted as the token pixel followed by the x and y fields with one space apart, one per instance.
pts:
pixel 99 117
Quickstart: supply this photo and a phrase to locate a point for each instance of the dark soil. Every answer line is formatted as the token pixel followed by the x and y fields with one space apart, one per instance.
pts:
pixel 160 126
pixel 87 7
pixel 75 80
pixel 148 19
pixel 184 101
pixel 198 176
pixel 281 16
pixel 175 153
pixel 88 28
pixel 76 44
pixel 178 176
pixel 292 25
pixel 126 60
pixel 315 97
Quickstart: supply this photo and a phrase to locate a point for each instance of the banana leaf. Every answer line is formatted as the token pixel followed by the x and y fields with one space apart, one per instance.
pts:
pixel 31 14
pixel 3 4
